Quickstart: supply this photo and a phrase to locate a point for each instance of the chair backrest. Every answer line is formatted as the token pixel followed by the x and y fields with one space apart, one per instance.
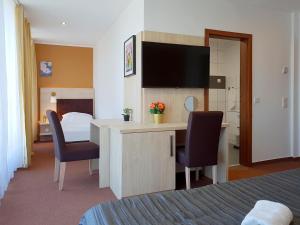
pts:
pixel 202 138
pixel 57 133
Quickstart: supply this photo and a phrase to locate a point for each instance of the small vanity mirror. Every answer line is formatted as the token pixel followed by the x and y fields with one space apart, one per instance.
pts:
pixel 190 103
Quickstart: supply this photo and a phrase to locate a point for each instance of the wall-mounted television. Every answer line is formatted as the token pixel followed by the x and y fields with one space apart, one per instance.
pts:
pixel 174 66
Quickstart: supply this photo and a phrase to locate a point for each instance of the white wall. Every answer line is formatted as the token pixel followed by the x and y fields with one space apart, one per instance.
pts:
pixel 271 51
pixel 295 85
pixel 108 61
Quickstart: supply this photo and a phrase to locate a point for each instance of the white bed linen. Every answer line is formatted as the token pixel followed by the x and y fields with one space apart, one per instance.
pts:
pixel 268 213
pixel 76 126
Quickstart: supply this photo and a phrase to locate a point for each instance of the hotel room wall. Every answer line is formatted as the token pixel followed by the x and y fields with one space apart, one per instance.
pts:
pixel 72 66
pixel 109 65
pixel 271 51
pixel 174 100
pixel 139 98
pixel 132 86
pixel 295 86
pixel 173 97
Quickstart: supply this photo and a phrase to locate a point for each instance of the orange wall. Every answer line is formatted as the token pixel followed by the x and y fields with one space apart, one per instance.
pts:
pixel 72 66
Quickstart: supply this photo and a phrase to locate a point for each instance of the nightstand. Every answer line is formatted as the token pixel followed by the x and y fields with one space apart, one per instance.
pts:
pixel 45 132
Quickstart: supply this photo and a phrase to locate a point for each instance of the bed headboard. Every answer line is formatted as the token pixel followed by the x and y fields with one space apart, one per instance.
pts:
pixel 64 106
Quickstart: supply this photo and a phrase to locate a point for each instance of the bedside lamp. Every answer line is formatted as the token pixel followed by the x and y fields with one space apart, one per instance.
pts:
pixel 53 97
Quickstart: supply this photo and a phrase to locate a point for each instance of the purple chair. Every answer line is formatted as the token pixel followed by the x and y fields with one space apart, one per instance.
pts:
pixel 67 152
pixel 202 143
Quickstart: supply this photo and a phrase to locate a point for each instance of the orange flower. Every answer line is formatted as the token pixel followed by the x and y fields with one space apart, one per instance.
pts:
pixel 157 107
pixel 161 106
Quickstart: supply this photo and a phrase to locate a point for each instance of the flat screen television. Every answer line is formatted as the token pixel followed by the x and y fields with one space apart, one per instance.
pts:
pixel 174 66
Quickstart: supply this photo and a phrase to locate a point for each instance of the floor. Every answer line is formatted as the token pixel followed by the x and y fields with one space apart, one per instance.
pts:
pixel 33 199
pixel 240 172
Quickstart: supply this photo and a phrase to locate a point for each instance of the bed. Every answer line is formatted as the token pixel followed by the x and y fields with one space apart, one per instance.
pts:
pixel 226 203
pixel 75 116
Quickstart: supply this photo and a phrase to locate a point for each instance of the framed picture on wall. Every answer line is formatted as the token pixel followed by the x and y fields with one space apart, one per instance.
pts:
pixel 129 56
pixel 45 68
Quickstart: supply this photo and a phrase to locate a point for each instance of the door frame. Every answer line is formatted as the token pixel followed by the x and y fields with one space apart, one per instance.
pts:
pixel 245 89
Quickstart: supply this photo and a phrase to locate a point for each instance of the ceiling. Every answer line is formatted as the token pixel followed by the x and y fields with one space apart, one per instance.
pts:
pixel 86 19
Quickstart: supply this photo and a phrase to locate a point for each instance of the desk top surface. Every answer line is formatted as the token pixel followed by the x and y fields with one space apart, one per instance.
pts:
pixel 134 127
pixel 108 122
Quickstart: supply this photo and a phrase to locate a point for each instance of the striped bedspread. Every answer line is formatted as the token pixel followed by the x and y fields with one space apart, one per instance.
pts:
pixel 226 203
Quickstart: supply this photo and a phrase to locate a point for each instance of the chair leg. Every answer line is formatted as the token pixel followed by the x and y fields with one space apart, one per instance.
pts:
pixel 56 169
pixel 90 167
pixel 197 174
pixel 188 178
pixel 62 175
pixel 214 173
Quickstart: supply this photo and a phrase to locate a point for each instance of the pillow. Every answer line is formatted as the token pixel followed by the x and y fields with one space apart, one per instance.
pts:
pixel 76 117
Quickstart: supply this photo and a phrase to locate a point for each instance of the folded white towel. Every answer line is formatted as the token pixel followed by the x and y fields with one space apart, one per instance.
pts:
pixel 268 213
pixel 231 99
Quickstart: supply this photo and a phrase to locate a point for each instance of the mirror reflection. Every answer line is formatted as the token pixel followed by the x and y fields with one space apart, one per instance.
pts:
pixel 190 103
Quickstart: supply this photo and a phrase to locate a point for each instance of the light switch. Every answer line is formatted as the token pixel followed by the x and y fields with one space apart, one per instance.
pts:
pixel 256 100
pixel 285 70
pixel 284 102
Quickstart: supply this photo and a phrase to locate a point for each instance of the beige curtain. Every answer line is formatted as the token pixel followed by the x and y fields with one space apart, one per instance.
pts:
pixel 28 79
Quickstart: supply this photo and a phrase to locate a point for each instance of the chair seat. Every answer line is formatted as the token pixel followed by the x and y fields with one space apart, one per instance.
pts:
pixel 180 155
pixel 80 151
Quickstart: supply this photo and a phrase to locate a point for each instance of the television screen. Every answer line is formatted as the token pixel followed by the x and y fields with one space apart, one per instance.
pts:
pixel 174 66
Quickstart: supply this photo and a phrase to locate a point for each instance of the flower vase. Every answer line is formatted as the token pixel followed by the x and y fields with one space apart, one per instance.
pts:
pixel 158 118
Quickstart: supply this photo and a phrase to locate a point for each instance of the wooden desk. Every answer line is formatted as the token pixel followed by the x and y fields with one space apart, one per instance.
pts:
pixel 100 134
pixel 140 158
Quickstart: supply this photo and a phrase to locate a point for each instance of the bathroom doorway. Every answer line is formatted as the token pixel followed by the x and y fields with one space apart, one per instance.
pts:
pixel 231 89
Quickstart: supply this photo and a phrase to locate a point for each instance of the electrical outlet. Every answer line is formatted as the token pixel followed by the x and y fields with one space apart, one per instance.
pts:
pixel 284 102
pixel 256 100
